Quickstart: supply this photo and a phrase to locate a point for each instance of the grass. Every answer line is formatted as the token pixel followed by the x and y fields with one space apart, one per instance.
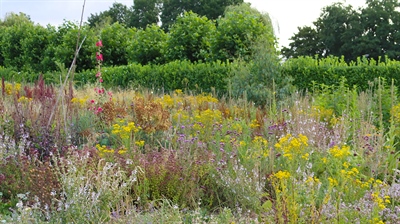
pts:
pixel 143 157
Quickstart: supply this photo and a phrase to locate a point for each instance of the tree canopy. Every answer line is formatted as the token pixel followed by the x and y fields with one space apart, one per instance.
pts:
pixel 341 30
pixel 211 9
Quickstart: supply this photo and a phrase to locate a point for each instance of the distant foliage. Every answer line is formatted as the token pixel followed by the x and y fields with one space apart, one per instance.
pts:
pixel 308 71
pixel 173 75
pixel 190 38
pixel 117 38
pixel 342 30
pixel 147 46
pixel 237 30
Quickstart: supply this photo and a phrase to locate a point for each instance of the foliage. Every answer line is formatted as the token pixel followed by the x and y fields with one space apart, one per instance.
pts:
pixel 173 75
pixel 307 71
pixel 65 50
pixel 148 46
pixel 260 81
pixel 304 43
pixel 145 13
pixel 116 37
pixel 237 30
pixel 369 31
pixel 212 9
pixel 116 13
pixel 190 38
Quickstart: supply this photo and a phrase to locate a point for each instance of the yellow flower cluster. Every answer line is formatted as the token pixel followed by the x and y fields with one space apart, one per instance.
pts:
pixel 167 101
pixel 139 143
pixel 181 116
pixel 261 147
pixel 350 173
pixel 292 146
pixel 322 113
pixel 333 182
pixel 281 175
pixel 124 130
pixel 381 202
pixel 312 180
pixel 340 152
pixel 254 124
pixel 12 88
pixel 79 101
pixel 207 118
pixel 24 99
pixel 105 150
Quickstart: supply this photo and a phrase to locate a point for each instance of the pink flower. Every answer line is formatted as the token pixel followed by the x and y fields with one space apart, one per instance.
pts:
pixel 110 93
pixel 92 101
pixel 100 80
pixel 99 43
pixel 99 56
pixel 99 110
pixel 98 74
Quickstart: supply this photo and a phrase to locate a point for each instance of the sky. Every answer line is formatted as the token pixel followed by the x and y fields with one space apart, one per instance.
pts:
pixel 286 15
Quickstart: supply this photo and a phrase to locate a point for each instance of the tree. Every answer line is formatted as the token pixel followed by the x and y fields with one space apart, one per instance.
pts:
pixel 15 28
pixel 238 29
pixel 148 45
pixel 381 23
pixel 117 13
pixel 189 38
pixel 145 12
pixel 336 26
pixel 305 43
pixel 343 31
pixel 115 40
pixel 211 9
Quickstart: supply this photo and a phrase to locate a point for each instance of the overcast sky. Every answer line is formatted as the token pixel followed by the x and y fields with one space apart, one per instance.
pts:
pixel 286 15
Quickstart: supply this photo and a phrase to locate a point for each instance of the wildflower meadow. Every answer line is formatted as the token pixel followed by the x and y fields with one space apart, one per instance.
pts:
pixel 260 150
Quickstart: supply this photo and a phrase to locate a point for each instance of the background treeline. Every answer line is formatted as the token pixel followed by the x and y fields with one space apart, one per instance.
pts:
pixel 234 52
pixel 371 31
pixel 25 46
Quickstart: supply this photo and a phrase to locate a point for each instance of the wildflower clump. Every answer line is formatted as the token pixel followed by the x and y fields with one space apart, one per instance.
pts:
pixel 11 89
pixel 293 147
pixel 340 153
pixel 282 175
pixel 124 129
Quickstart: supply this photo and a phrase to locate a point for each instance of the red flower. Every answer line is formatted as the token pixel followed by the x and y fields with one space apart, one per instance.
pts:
pixel 99 43
pixel 98 74
pixel 99 56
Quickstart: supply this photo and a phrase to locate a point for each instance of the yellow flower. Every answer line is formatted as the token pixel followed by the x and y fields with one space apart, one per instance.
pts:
pixel 332 181
pixel 281 175
pixel 254 124
pixel 340 152
pixel 305 156
pixel 324 160
pixel 139 143
pixel 24 99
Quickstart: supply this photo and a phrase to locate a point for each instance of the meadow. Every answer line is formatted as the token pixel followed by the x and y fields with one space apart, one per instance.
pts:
pixel 90 155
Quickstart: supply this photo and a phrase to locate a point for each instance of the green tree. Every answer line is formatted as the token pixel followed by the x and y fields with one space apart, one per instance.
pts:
pixel 381 23
pixel 336 26
pixel 148 46
pixel 306 42
pixel 65 50
pixel 238 29
pixel 115 40
pixel 145 12
pixel 15 28
pixel 189 38
pixel 340 30
pixel 116 13
pixel 212 9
